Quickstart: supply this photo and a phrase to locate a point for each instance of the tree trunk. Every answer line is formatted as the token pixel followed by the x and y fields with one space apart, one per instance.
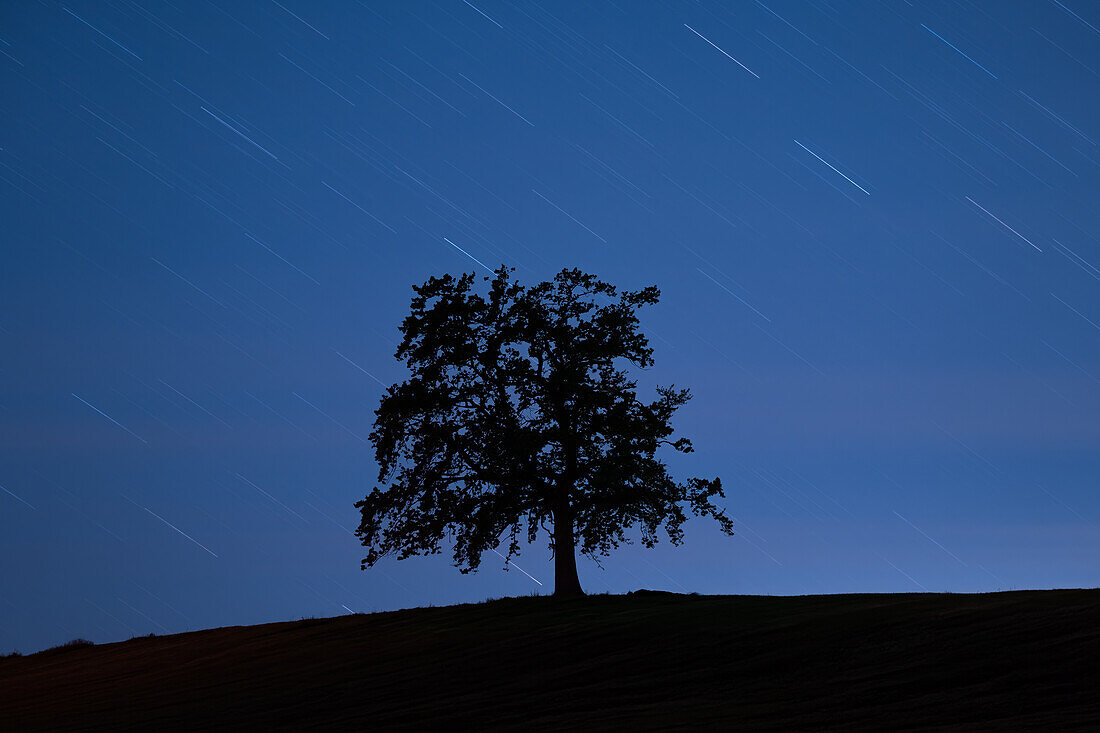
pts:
pixel 566 582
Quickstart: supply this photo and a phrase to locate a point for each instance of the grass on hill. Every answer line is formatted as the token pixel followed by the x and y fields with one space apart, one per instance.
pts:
pixel 1023 660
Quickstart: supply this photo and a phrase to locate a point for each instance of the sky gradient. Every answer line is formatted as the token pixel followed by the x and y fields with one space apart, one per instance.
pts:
pixel 874 227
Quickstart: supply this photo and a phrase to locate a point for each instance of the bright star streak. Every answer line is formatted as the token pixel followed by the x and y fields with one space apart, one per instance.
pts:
pixel 846 178
pixel 777 15
pixel 139 165
pixel 937 35
pixel 1075 311
pixel 907 575
pixel 144 615
pixel 1032 144
pixel 1006 226
pixel 131 629
pixel 517 567
pixel 116 422
pixel 196 404
pixel 322 35
pixel 597 236
pixel 102 33
pixel 330 188
pixel 640 71
pixel 181 277
pixel 1067 506
pixel 761 549
pixel 304 274
pixel 502 104
pixel 234 129
pixel 967 448
pixel 179 530
pixel 731 58
pixel 18 498
pixel 1075 15
pixel 734 295
pixel 498 25
pixel 467 254
pixel 937 544
pixel 1079 368
pixel 349 361
pixel 1077 258
pixel 311 76
pixel 1057 117
pixel 269 496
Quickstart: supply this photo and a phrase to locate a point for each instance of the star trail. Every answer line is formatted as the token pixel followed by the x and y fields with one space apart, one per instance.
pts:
pixel 874 227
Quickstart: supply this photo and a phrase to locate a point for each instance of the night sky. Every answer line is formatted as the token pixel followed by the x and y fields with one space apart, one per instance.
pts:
pixel 873 224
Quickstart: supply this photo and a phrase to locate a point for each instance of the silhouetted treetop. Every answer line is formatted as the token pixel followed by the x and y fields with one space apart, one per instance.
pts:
pixel 515 415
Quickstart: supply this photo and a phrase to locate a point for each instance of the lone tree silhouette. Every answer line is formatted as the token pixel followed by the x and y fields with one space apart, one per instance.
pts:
pixel 493 436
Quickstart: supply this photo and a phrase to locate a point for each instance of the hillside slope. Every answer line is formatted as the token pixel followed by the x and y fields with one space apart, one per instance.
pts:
pixel 647 661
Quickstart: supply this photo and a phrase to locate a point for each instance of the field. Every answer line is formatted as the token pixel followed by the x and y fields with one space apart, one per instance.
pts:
pixel 1022 660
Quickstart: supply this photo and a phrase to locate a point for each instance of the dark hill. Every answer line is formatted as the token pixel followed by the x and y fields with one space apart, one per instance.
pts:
pixel 1026 660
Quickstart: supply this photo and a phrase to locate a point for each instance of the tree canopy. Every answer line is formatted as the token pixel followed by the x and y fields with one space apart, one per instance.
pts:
pixel 515 415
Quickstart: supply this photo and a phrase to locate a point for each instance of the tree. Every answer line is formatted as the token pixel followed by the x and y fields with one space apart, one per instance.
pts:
pixel 489 437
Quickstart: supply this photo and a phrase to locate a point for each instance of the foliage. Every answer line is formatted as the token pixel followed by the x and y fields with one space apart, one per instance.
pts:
pixel 514 416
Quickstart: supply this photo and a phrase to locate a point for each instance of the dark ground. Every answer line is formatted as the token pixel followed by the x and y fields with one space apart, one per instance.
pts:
pixel 1023 660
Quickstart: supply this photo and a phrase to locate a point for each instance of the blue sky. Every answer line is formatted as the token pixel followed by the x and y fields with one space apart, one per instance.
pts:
pixel 873 227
